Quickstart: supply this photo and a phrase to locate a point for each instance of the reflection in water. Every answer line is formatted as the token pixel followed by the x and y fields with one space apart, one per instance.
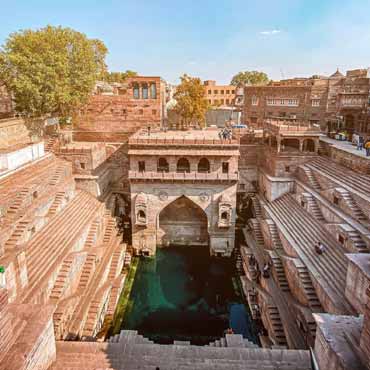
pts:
pixel 183 294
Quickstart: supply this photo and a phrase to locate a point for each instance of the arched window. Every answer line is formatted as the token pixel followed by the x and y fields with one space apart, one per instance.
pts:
pixel 203 165
pixel 145 91
pixel 224 216
pixel 136 91
pixel 141 216
pixel 162 165
pixel 153 91
pixel 183 165
pixel 290 145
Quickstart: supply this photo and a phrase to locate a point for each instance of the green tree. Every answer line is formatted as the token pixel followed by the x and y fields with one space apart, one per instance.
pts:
pixel 50 72
pixel 191 104
pixel 119 76
pixel 250 77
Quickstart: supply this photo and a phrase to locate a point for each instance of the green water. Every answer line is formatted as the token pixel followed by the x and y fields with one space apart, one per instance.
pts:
pixel 182 294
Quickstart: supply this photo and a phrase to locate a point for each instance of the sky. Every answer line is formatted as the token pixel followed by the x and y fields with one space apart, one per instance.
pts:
pixel 210 39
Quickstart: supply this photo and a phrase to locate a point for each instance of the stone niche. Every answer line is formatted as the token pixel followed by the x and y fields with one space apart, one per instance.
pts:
pixel 225 207
pixel 141 210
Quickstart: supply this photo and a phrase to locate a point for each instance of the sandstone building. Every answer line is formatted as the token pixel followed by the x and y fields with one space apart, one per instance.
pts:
pixel 335 102
pixel 219 95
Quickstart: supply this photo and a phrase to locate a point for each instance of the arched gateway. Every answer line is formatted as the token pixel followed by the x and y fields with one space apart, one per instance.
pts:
pixel 182 222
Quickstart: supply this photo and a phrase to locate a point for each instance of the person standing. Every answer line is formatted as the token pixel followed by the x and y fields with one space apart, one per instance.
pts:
pixel 360 143
pixel 367 147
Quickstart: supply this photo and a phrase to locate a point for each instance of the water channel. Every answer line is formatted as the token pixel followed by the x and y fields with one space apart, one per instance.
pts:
pixel 184 294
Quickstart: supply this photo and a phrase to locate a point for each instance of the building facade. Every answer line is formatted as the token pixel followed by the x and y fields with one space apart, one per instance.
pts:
pixel 117 110
pixel 183 190
pixel 336 102
pixel 219 95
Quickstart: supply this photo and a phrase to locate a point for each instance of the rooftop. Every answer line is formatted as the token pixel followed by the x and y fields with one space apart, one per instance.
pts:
pixel 206 136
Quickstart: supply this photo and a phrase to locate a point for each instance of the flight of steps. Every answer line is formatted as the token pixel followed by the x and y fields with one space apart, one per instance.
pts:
pixel 92 235
pixel 57 175
pixel 87 271
pixel 17 235
pixel 276 325
pixel 309 289
pixel 358 242
pixel 257 232
pixel 51 143
pixel 313 207
pixel 44 250
pixel 129 351
pixel 342 176
pixel 274 234
pixel 57 203
pixel 280 273
pixel 302 231
pixel 312 181
pixel 18 202
pixel 355 210
pixel 116 263
pixel 257 207
pixel 60 282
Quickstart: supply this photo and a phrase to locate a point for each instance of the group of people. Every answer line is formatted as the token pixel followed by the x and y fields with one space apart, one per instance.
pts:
pixel 319 247
pixel 225 134
pixel 361 144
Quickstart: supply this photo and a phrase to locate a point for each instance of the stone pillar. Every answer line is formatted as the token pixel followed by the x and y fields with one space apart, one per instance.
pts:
pixel 278 139
pixel 301 145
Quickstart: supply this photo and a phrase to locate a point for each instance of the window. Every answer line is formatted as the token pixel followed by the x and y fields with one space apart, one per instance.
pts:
pixel 144 91
pixel 225 167
pixel 83 165
pixel 162 165
pixel 282 102
pixel 153 91
pixel 136 91
pixel 254 119
pixel 227 91
pixel 215 92
pixel 315 102
pixel 227 101
pixel 287 169
pixel 183 165
pixel 222 101
pixel 124 111
pixel 254 100
pixel 232 91
pixel 209 101
pixel 154 112
pixel 224 216
pixel 215 102
pixel 141 166
pixel 209 92
pixel 203 165
pixel 141 216
pixel 141 111
pixel 222 92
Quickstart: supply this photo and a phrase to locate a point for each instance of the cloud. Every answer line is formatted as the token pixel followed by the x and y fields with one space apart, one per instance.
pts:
pixel 270 32
pixel 192 62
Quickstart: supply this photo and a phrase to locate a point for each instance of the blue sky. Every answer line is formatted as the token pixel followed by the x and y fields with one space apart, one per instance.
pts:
pixel 211 39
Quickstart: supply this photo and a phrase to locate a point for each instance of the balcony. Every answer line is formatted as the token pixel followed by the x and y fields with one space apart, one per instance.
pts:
pixel 185 176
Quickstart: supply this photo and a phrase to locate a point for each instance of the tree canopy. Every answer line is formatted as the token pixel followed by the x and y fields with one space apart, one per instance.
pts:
pixel 250 77
pixel 191 104
pixel 51 71
pixel 119 76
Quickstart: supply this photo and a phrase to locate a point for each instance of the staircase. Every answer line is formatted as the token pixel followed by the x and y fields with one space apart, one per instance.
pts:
pixel 257 232
pixel 257 207
pixel 92 235
pixel 313 207
pixel 17 235
pixel 312 181
pixel 60 282
pixel 57 176
pixel 18 202
pixel 56 205
pixel 309 289
pixel 357 241
pixel 355 210
pixel 277 327
pixel 131 351
pixel 87 272
pixel 280 272
pixel 274 233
